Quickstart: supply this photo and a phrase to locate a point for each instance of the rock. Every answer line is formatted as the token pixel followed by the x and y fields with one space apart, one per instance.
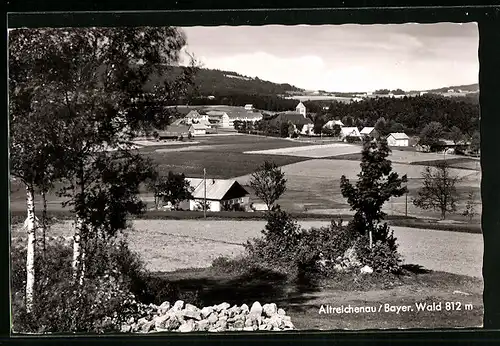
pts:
pixel 244 308
pixel 191 311
pixel 275 321
pixel 240 317
pixel 203 325
pixel 142 321
pixel 256 309
pixel 160 321
pixel 270 309
pixel 286 318
pixel 222 324
pixel 223 306
pixel 233 311
pixel 248 322
pixel 187 327
pixel 178 305
pixel 281 312
pixel 338 268
pixel 351 257
pixel 164 307
pixel 213 318
pixel 206 311
pixel 126 328
pixel 248 329
pixel 288 324
pixel 239 324
pixel 172 324
pixel 147 327
pixel 366 270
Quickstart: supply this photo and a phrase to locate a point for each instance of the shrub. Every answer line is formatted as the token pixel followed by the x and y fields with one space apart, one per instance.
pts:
pixel 287 248
pixel 383 257
pixel 99 305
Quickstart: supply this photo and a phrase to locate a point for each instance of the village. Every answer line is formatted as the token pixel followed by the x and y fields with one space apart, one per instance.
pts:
pixel 209 122
pixel 154 193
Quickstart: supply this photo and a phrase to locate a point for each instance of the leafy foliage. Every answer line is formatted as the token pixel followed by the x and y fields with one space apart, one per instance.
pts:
pixel 269 183
pixel 62 306
pixel 173 188
pixel 376 184
pixel 470 208
pixel 431 135
pixel 439 189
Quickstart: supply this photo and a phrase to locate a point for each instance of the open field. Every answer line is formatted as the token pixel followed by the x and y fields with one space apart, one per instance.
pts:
pixel 314 185
pixel 168 245
pixel 312 151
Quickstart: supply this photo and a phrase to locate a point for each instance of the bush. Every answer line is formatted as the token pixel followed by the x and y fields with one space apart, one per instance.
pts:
pixel 101 304
pixel 287 248
pixel 383 257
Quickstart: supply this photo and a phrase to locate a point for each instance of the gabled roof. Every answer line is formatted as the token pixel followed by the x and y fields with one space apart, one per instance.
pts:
pixel 350 131
pixel 301 105
pixel 249 115
pixel 367 130
pixel 199 127
pixel 331 123
pixel 399 135
pixel 193 114
pixel 216 188
pixel 204 122
pixel 293 117
pixel 176 129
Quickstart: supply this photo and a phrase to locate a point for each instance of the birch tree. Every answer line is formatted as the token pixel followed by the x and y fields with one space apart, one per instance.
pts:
pixel 95 80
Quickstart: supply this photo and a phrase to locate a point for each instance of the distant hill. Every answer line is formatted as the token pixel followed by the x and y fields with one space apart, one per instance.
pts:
pixel 468 87
pixel 222 83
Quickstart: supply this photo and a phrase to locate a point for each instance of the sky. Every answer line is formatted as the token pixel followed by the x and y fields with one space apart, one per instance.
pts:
pixel 343 58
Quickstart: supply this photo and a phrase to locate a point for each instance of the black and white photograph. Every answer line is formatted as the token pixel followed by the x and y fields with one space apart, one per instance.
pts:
pixel 244 179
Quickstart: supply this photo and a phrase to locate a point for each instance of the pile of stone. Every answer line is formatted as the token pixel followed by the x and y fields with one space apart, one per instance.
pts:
pixel 348 262
pixel 218 318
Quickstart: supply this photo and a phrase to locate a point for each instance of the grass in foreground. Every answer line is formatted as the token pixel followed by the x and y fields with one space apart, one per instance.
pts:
pixel 303 301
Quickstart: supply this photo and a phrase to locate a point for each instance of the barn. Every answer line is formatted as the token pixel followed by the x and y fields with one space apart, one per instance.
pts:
pixel 398 139
pixel 198 129
pixel 349 132
pixel 221 194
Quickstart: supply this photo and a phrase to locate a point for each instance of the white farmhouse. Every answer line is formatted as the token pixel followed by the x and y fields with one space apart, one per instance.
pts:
pixel 248 107
pixel 330 124
pixel 198 129
pixel 194 116
pixel 308 130
pixel 301 109
pixel 398 139
pixel 219 194
pixel 349 132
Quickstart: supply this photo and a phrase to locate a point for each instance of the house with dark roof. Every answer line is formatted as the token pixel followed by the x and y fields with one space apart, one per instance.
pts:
pixel 369 131
pixel 174 131
pixel 295 118
pixel 220 195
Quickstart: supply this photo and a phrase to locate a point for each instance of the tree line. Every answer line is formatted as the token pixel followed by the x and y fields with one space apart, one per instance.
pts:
pixel 76 98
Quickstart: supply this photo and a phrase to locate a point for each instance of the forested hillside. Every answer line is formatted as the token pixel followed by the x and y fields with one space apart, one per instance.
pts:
pixel 410 114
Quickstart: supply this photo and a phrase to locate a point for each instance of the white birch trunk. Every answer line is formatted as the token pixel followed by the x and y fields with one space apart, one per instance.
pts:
pixel 30 253
pixel 77 255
